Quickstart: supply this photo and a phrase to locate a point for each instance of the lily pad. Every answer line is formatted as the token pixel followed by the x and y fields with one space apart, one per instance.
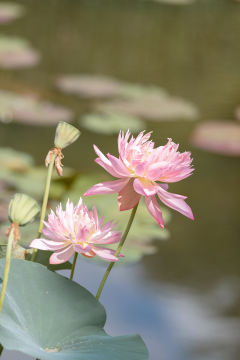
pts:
pixel 17 172
pixel 175 2
pixel 99 86
pixel 144 230
pixel 16 53
pixel 135 100
pixel 50 317
pixel 13 160
pixel 89 86
pixel 111 123
pixel 153 106
pixel 9 12
pixel 28 110
pixel 222 137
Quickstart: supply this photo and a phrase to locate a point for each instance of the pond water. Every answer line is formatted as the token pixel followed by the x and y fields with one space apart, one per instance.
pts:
pixel 184 300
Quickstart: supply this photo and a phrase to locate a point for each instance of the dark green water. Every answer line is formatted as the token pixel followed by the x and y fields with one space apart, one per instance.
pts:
pixel 192 285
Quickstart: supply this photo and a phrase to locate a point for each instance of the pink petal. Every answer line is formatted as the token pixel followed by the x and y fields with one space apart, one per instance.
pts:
pixel 44 244
pixel 176 202
pixel 118 166
pixel 106 254
pixel 145 187
pixel 154 209
pixel 139 169
pixel 62 256
pixel 164 186
pixel 127 197
pixel 85 248
pixel 108 187
pixel 104 162
pixel 111 237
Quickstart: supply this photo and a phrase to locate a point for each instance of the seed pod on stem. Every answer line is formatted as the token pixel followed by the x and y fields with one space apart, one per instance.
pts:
pixel 21 211
pixel 65 135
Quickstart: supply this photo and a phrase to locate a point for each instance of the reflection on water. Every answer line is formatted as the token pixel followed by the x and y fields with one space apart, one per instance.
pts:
pixel 184 300
pixel 176 323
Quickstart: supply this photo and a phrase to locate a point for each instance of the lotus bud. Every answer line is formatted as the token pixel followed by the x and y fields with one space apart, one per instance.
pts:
pixel 21 211
pixel 65 135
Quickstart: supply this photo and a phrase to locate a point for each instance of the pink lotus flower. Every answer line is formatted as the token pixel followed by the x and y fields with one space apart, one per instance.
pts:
pixel 77 229
pixel 145 171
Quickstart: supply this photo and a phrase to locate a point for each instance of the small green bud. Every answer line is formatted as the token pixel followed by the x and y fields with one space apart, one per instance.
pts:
pixel 65 135
pixel 22 209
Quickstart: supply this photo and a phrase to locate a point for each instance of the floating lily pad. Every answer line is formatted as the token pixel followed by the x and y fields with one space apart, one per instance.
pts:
pixel 143 231
pixel 17 172
pixel 221 137
pixel 144 101
pixel 33 182
pixel 175 2
pixel 110 123
pixel 13 160
pixel 89 86
pixel 153 106
pixel 28 110
pixel 136 91
pixel 9 12
pixel 16 53
pixel 50 317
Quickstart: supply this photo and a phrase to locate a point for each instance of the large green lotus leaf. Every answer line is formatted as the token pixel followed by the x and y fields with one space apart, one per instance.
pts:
pixel 110 123
pixel 50 317
pixel 144 229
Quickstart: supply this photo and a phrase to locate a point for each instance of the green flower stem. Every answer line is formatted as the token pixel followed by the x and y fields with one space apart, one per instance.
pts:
pixel 73 265
pixel 7 267
pixel 110 266
pixel 1 349
pixel 44 203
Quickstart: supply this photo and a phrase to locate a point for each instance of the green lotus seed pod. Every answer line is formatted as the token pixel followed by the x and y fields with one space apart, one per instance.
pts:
pixel 65 135
pixel 22 209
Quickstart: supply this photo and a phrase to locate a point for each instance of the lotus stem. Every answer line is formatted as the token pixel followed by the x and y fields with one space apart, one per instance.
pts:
pixel 73 265
pixel 110 266
pixel 7 267
pixel 45 201
pixel 1 349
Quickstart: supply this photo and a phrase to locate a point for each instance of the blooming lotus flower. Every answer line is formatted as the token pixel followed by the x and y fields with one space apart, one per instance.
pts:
pixel 145 171
pixel 77 229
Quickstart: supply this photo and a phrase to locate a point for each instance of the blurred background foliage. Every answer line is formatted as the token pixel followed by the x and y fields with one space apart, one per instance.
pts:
pixel 171 66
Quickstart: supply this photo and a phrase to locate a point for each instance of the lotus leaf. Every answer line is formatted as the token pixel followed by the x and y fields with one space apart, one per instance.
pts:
pixel 29 110
pixel 110 123
pixel 153 106
pixel 50 317
pixel 16 53
pixel 221 137
pixel 89 86
pixel 9 12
